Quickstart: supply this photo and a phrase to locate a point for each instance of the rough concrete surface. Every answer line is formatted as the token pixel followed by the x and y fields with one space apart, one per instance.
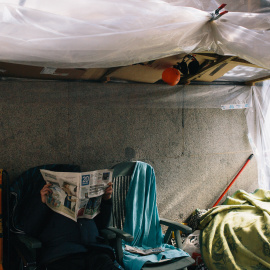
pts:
pixel 195 152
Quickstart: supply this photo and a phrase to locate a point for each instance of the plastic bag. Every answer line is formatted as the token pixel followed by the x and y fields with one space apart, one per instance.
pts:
pixel 191 245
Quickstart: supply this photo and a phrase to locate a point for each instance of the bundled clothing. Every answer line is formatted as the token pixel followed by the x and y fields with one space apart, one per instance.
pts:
pixel 235 235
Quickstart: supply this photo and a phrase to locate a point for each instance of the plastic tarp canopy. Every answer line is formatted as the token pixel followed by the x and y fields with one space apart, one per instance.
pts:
pixel 111 33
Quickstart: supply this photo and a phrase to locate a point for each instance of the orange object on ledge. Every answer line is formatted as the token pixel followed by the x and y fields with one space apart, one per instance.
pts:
pixel 171 76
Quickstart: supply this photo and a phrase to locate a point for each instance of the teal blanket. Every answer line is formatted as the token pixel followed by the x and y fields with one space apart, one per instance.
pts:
pixel 142 220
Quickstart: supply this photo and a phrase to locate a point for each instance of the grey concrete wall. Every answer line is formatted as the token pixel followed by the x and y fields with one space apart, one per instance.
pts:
pixel 195 152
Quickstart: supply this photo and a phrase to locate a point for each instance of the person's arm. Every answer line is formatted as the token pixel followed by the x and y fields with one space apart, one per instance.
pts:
pixel 37 213
pixel 103 218
pixel 44 192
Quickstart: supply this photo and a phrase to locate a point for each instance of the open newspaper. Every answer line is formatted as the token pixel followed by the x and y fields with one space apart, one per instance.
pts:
pixel 77 195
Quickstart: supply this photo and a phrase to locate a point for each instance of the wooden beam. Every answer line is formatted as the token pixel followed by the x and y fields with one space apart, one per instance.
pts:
pixel 94 73
pixel 236 60
pixel 209 56
pixel 252 82
pixel 106 77
pixel 243 62
pixel 220 61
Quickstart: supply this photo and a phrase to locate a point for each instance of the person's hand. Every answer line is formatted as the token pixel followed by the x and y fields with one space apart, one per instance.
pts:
pixel 108 192
pixel 44 192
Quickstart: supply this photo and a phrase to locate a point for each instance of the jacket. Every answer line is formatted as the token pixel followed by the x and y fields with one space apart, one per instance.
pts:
pixel 61 236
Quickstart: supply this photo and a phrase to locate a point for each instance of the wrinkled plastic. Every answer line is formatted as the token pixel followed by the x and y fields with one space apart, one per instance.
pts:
pixel 243 74
pixel 111 33
pixel 249 44
pixel 258 121
pixel 165 96
pixel 192 243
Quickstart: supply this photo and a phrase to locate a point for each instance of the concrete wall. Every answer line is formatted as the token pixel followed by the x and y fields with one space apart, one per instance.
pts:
pixel 195 152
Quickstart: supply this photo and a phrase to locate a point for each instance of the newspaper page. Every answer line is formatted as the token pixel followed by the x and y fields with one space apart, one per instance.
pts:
pixel 143 252
pixel 76 195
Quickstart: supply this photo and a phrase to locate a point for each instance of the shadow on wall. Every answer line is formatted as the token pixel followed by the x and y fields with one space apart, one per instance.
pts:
pixel 130 154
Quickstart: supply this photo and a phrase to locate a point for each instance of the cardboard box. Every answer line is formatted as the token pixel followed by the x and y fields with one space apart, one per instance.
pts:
pixel 35 72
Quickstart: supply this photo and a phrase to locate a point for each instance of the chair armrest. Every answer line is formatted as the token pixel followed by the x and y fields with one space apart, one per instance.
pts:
pixel 123 235
pixel 29 241
pixel 175 225
pixel 117 242
pixel 107 234
pixel 26 249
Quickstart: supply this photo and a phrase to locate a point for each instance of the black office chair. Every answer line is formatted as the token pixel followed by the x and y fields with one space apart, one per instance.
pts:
pixel 4 249
pixel 23 192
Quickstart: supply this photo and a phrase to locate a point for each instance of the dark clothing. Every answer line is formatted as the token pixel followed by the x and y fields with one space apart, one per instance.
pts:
pixel 61 236
pixel 65 244
pixel 74 261
pixel 85 261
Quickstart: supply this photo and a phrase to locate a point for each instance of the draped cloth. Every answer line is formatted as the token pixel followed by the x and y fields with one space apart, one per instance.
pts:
pixel 142 220
pixel 236 235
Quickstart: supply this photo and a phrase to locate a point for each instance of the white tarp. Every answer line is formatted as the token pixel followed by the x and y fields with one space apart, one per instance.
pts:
pixel 110 33
pixel 258 120
pixel 164 96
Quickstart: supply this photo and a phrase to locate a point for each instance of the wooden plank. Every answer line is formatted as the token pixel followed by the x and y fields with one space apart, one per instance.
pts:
pixel 243 62
pixel 137 73
pixel 108 74
pixel 236 60
pixel 252 82
pixel 216 73
pixel 208 56
pixel 38 72
pixel 94 73
pixel 221 60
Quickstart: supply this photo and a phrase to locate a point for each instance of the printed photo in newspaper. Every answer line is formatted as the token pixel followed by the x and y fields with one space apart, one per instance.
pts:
pixel 77 195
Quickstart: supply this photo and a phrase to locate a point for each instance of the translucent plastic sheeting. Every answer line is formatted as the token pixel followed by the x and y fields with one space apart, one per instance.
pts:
pixel 108 34
pixel 164 96
pixel 258 120
pixel 244 73
pixel 111 33
pixel 237 6
pixel 249 44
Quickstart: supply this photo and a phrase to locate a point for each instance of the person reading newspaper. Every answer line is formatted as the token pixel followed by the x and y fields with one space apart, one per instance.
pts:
pixel 67 244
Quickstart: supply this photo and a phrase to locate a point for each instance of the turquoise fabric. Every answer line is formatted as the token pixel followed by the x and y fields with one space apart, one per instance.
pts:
pixel 142 219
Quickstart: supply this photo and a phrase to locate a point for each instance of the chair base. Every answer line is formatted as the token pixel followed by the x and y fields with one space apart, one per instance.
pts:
pixel 176 264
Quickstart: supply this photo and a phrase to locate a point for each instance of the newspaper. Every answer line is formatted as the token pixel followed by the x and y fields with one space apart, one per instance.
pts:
pixel 76 195
pixel 143 252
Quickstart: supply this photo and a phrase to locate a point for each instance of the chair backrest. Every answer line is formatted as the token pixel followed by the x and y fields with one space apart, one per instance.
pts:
pixel 121 180
pixel 135 209
pixel 25 190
